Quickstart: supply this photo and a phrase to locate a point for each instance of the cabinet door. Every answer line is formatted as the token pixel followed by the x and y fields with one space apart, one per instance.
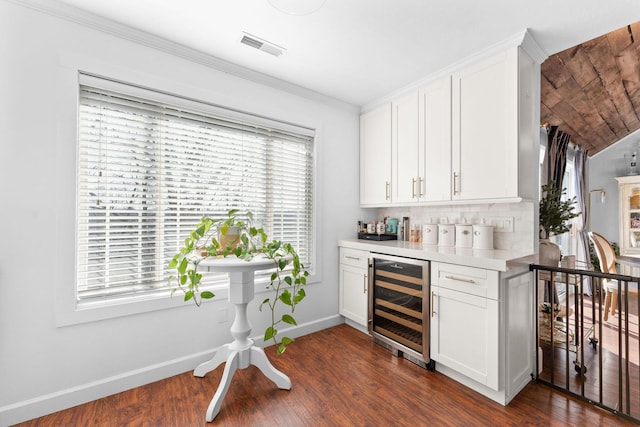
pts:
pixel 375 157
pixel 353 293
pixel 464 334
pixel 629 199
pixel 485 129
pixel 404 149
pixel 435 141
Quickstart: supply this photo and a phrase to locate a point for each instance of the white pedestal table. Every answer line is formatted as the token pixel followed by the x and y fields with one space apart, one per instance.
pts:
pixel 242 352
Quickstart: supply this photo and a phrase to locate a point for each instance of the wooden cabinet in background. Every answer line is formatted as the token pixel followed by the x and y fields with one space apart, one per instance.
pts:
pixel 629 208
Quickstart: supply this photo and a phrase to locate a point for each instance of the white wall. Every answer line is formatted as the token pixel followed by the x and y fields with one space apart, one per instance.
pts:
pixel 43 367
pixel 604 167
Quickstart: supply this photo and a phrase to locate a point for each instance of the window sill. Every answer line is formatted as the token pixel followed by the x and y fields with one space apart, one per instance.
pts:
pixel 93 311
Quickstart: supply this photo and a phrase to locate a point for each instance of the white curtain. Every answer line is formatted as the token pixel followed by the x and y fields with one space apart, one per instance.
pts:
pixel 582 198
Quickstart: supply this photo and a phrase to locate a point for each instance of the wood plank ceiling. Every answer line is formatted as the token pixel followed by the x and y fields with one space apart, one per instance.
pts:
pixel 592 91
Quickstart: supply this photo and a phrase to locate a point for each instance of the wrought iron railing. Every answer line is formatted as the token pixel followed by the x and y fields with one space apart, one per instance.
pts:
pixel 606 354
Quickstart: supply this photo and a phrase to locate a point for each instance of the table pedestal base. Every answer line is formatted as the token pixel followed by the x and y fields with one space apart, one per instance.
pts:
pixel 241 353
pixel 238 359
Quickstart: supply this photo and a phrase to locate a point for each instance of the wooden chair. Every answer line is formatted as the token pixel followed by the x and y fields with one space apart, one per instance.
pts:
pixel 607 259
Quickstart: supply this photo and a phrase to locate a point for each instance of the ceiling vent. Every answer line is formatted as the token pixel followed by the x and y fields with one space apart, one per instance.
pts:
pixel 260 44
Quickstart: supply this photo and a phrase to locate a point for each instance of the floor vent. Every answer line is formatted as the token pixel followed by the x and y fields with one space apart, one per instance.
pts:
pixel 262 45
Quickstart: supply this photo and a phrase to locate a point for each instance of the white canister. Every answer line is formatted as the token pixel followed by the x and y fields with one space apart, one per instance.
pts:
pixel 464 235
pixel 429 234
pixel 446 234
pixel 482 236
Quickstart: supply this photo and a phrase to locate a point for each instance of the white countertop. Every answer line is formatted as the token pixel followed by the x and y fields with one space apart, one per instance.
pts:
pixel 496 259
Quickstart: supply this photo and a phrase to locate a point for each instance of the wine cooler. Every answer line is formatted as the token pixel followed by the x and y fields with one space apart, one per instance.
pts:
pixel 399 306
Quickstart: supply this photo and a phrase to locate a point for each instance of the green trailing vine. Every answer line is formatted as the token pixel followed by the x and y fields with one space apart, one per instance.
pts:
pixel 232 236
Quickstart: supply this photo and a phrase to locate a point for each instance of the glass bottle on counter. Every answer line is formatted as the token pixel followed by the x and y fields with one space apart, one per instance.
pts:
pixel 405 229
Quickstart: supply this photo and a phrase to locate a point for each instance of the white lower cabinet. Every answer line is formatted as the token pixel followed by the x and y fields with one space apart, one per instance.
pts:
pixel 354 296
pixel 482 328
pixel 464 334
pixel 481 321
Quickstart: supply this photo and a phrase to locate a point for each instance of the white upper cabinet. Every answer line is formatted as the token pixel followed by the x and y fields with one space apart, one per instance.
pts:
pixel 421 145
pixel 434 152
pixel 405 173
pixel 489 104
pixel 375 157
pixel 467 137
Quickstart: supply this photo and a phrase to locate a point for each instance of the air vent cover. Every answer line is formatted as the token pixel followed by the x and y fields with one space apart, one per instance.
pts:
pixel 260 44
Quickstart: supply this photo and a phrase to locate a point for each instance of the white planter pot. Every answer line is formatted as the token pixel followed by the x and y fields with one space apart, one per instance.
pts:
pixel 231 238
pixel 548 253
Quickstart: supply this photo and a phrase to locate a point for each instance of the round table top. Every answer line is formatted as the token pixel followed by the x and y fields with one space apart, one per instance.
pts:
pixel 233 264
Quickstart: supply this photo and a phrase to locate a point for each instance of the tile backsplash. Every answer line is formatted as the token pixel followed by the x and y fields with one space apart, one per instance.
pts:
pixel 521 239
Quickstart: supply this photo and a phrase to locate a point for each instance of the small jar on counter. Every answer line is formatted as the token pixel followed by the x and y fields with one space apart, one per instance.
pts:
pixel 416 234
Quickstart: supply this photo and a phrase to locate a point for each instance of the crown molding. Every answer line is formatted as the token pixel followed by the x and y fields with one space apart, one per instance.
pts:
pixel 522 39
pixel 533 49
pixel 72 14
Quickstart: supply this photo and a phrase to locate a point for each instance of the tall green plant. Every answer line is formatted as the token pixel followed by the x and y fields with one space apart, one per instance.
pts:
pixel 286 281
pixel 555 212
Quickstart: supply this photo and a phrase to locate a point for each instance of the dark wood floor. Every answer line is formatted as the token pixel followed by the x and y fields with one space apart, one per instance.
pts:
pixel 340 378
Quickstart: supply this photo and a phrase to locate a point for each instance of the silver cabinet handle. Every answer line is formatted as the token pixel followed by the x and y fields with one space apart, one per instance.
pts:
pixel 387 185
pixel 366 282
pixel 413 188
pixel 433 312
pixel 456 176
pixel 352 257
pixel 459 279
pixel 420 193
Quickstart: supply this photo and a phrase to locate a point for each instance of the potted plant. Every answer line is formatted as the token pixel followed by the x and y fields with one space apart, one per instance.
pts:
pixel 232 236
pixel 546 309
pixel 554 214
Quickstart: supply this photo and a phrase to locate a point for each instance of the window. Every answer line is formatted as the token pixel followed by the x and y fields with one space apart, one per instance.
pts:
pixel 152 164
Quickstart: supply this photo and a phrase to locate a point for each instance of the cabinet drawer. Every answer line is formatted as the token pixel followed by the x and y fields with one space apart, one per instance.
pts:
pixel 471 280
pixel 354 257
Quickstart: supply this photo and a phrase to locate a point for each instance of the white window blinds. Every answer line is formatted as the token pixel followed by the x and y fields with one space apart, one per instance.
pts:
pixel 150 169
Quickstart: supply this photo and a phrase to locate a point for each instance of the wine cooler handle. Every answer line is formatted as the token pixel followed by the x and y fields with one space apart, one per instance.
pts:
pixel 369 284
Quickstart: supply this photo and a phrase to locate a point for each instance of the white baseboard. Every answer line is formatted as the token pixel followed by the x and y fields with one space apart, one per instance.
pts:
pixel 357 326
pixel 497 396
pixel 67 398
